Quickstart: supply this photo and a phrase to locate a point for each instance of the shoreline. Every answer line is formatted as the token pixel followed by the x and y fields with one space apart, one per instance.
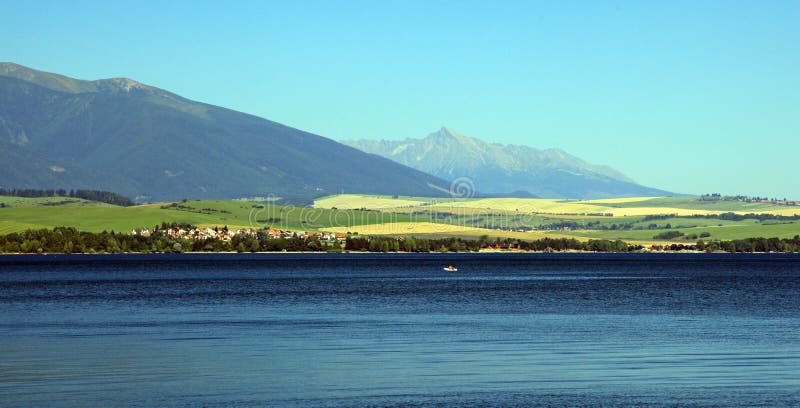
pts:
pixel 487 252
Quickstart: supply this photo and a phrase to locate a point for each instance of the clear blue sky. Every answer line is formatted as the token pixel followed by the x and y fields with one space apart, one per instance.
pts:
pixel 689 96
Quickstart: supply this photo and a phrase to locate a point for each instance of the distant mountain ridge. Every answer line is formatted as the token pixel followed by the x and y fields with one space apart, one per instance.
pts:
pixel 62 83
pixel 515 170
pixel 134 139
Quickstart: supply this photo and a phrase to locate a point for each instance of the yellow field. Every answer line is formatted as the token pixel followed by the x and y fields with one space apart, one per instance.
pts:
pixel 405 228
pixel 526 205
pixel 621 212
pixel 527 235
pixel 614 206
pixel 788 211
pixel 446 208
pixel 545 206
pixel 355 201
pixel 616 200
pixel 430 228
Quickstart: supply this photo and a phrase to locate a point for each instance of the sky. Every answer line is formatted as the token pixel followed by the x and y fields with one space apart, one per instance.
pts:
pixel 688 96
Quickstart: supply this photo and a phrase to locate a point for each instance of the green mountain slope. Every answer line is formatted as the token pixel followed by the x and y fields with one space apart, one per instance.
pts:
pixel 137 140
pixel 504 169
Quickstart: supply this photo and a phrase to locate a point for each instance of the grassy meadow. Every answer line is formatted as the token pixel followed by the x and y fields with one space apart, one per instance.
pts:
pixel 618 207
pixel 619 218
pixel 638 220
pixel 48 212
pixel 356 201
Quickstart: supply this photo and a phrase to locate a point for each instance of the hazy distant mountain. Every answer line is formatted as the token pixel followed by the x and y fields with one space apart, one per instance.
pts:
pixel 510 170
pixel 124 136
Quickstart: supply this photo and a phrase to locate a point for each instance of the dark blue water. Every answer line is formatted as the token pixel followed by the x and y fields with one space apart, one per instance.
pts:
pixel 397 330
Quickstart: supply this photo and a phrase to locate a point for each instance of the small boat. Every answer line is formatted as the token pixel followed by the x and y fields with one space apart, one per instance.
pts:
pixel 450 268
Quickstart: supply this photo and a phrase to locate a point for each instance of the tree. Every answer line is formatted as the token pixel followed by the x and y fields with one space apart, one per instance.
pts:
pixel 254 244
pixel 700 245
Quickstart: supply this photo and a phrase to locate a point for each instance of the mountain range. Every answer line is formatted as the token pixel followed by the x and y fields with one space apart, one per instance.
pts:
pixel 134 139
pixel 144 142
pixel 506 170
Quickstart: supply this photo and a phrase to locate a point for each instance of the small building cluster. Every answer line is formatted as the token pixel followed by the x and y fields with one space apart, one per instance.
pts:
pixel 669 248
pixel 226 234
pixel 500 246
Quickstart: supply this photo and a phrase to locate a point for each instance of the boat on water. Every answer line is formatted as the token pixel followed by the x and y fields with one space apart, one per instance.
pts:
pixel 450 268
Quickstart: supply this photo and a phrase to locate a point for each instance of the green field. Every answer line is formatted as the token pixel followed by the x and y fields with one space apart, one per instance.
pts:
pixel 461 217
pixel 47 201
pixel 618 207
pixel 92 218
pixel 691 203
pixel 22 214
pixel 624 218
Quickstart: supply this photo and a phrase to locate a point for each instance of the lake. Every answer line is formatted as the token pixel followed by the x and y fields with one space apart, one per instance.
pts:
pixel 397 330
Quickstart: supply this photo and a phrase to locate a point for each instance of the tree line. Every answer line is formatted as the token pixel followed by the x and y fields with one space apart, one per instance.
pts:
pixel 728 216
pixel 748 245
pixel 69 240
pixel 453 244
pixel 91 195
pixel 409 244
pixel 741 198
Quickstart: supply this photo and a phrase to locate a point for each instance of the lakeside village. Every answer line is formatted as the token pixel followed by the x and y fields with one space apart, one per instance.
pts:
pixel 253 240
pixel 185 238
pixel 270 239
pixel 224 234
